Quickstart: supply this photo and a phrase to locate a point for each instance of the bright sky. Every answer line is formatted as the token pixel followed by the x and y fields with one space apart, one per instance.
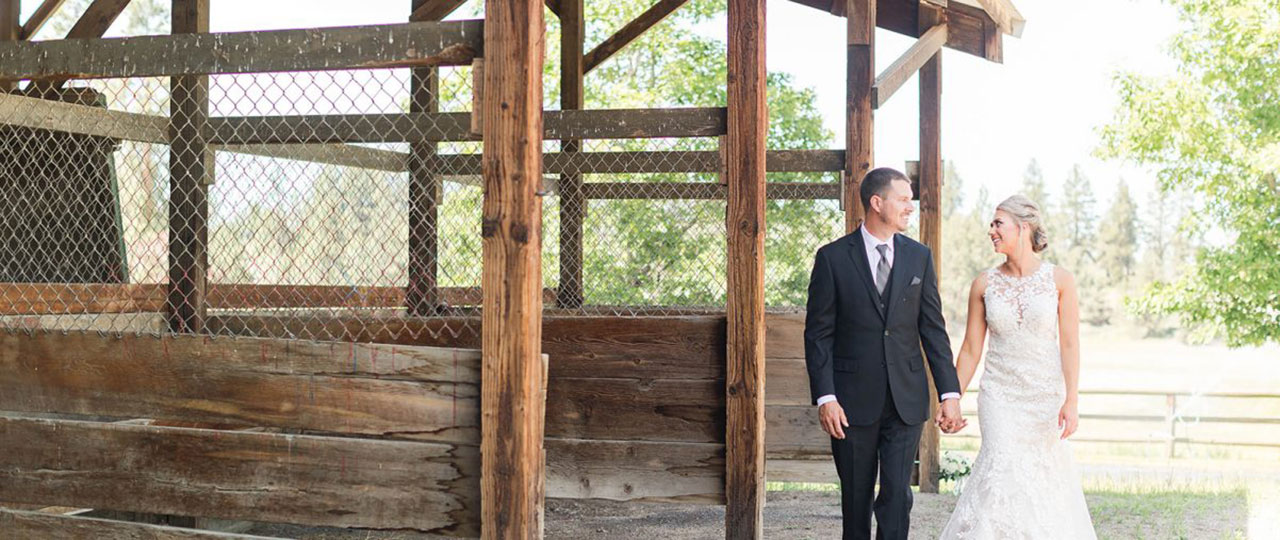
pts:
pixel 1045 101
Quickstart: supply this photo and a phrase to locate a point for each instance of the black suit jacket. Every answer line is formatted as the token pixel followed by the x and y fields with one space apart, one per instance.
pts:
pixel 857 346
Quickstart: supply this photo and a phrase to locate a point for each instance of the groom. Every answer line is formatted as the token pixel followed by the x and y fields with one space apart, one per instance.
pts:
pixel 873 302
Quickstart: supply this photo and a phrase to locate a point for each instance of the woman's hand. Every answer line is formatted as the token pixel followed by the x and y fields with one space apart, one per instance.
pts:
pixel 1068 418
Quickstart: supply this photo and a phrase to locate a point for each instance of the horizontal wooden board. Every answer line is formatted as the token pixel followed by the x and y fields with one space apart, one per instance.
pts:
pixel 341 482
pixel 793 431
pixel 703 191
pixel 692 161
pixel 368 389
pixel 821 470
pixel 681 347
pixel 415 44
pixel 631 409
pixel 24 524
pixel 635 471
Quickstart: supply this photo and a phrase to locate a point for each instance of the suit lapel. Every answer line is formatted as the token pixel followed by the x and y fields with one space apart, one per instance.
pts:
pixel 898 275
pixel 858 252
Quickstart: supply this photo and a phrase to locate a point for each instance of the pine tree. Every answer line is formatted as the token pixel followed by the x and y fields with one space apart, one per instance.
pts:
pixel 1118 236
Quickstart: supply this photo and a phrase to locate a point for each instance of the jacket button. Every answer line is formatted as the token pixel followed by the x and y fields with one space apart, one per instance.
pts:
pixel 886 332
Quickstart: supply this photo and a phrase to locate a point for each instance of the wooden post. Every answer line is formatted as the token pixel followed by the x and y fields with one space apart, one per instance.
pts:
pixel 190 169
pixel 573 206
pixel 860 16
pixel 931 219
pixel 513 377
pixel 1171 419
pixel 422 297
pixel 10 30
pixel 744 142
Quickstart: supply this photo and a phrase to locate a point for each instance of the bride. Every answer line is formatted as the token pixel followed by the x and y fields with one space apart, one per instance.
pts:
pixel 1024 483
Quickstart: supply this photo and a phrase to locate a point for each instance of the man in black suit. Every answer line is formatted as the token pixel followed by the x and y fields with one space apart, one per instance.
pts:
pixel 873 302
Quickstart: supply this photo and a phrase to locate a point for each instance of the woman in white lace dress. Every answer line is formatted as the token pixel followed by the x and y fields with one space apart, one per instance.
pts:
pixel 1024 483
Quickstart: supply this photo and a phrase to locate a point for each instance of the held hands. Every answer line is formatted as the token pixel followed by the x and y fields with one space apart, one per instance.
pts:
pixel 949 419
pixel 831 416
pixel 1068 418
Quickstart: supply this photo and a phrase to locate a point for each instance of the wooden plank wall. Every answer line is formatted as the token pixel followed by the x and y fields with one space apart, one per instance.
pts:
pixel 382 436
pixel 635 405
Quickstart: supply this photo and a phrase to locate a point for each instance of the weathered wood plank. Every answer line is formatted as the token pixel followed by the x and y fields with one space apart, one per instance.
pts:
pixel 859 115
pixel 630 409
pixel 1004 15
pixel 573 206
pixel 343 155
pixel 744 176
pixel 416 127
pixel 191 172
pixel 241 475
pixel 894 76
pixel 422 295
pixel 793 432
pixel 966 33
pixel 514 379
pixel 630 31
pixel 26 524
pixel 701 191
pixel 819 470
pixel 686 347
pixel 82 119
pixel 382 390
pixel 417 44
pixel 575 163
pixel 931 223
pixel 635 471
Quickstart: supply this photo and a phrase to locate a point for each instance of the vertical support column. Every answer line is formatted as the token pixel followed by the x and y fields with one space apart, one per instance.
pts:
pixel 573 206
pixel 860 16
pixel 190 173
pixel 931 218
pixel 513 376
pixel 748 122
pixel 10 30
pixel 422 296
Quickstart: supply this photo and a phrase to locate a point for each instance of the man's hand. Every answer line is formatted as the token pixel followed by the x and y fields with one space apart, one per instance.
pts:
pixel 950 419
pixel 831 416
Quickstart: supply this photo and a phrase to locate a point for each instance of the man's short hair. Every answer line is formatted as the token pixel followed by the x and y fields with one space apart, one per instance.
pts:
pixel 877 182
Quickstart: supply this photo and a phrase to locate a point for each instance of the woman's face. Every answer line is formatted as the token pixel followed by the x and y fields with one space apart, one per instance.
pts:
pixel 1005 233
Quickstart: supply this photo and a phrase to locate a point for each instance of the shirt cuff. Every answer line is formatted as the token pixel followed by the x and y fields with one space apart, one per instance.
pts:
pixel 826 399
pixel 949 395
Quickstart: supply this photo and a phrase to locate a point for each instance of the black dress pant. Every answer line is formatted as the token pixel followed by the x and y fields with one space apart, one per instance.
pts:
pixel 890 444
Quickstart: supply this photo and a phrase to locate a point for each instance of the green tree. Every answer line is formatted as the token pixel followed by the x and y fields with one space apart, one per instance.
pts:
pixel 1118 236
pixel 1211 131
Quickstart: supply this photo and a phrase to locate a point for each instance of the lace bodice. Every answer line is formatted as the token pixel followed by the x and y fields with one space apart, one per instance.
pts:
pixel 1024 484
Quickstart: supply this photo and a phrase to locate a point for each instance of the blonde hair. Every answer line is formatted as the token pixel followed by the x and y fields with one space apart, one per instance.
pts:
pixel 1024 210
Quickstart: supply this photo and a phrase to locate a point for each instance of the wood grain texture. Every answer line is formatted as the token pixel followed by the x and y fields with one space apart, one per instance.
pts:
pixel 417 44
pixel 635 471
pixel 748 123
pixel 572 207
pixel 26 524
pixel 859 115
pixel 422 294
pixel 513 385
pixel 894 76
pixel 241 475
pixel 931 222
pixel 630 409
pixel 364 389
pixel 191 172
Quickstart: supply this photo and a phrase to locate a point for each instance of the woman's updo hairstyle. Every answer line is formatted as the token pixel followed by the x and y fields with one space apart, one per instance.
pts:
pixel 1025 211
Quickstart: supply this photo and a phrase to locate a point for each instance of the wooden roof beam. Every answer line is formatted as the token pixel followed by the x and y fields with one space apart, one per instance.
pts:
pixel 970 28
pixel 1005 15
pixel 910 62
pixel 630 32
pixel 41 16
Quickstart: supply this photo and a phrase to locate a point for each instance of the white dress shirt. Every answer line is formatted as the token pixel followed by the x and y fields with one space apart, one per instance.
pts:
pixel 871 243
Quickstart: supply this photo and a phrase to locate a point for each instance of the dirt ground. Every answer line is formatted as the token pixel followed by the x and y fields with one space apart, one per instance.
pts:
pixel 815 515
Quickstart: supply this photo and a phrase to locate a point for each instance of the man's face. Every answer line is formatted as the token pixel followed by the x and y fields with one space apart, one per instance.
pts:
pixel 896 206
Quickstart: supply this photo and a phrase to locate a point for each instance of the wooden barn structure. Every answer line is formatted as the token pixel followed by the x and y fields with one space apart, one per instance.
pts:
pixel 420 404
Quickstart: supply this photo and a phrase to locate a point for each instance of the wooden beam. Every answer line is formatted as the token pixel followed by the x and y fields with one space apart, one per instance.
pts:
pixel 620 191
pixel 41 16
pixel 894 76
pixel 630 32
pixel 97 19
pixel 1005 15
pixel 419 44
pixel 689 473
pixel 630 409
pixel 859 116
pixel 27 524
pixel 931 220
pixel 514 371
pixel 664 161
pixel 554 6
pixel 328 481
pixel 419 393
pixel 748 123
pixel 10 31
pixel 573 206
pixel 343 155
pixel 411 127
pixel 422 296
pixel 191 172
pixel 967 32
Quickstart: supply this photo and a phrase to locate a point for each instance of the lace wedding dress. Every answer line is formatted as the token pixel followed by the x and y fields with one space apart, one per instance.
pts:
pixel 1024 483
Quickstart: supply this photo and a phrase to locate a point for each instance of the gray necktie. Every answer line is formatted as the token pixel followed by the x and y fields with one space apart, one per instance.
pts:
pixel 882 269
